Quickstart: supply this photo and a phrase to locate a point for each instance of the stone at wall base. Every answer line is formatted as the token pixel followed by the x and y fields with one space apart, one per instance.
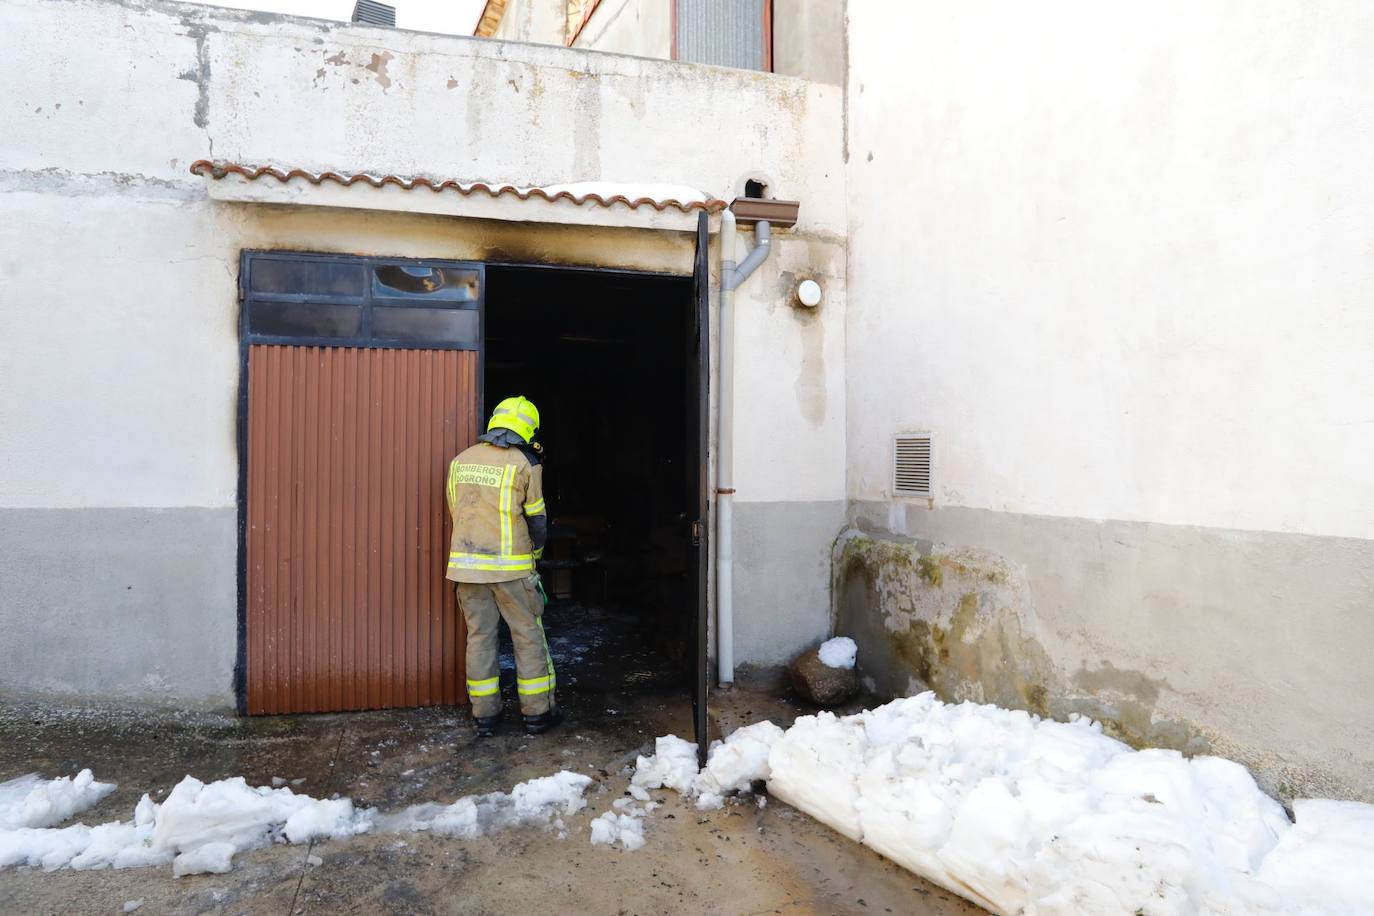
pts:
pixel 820 684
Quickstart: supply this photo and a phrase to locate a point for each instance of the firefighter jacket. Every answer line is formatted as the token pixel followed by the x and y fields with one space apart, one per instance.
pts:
pixel 495 496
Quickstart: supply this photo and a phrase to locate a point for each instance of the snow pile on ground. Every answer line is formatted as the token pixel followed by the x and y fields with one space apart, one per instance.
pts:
pixel 536 801
pixel 672 766
pixel 200 827
pixel 1324 863
pixel 624 824
pixel 732 765
pixel 839 652
pixel 1030 816
pixel 1024 815
pixel 735 764
pixel 32 801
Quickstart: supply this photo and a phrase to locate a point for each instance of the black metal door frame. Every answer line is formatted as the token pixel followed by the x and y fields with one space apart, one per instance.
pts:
pixel 700 366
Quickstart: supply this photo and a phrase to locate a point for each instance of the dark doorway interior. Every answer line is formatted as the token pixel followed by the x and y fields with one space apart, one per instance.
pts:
pixel 606 357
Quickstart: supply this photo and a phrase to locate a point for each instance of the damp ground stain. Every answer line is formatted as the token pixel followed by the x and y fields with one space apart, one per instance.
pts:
pixel 740 859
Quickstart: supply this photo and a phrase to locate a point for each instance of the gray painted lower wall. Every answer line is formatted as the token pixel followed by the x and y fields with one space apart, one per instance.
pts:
pixel 782 577
pixel 1252 645
pixel 135 604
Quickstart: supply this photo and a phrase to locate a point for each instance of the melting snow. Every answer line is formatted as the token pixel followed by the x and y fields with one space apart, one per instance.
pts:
pixel 732 765
pixel 200 827
pixel 625 829
pixel 1323 863
pixel 1037 817
pixel 839 652
pixel 31 801
pixel 624 824
pixel 673 766
pixel 735 764
pixel 537 801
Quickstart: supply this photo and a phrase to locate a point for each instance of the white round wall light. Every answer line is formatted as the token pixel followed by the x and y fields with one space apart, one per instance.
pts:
pixel 809 293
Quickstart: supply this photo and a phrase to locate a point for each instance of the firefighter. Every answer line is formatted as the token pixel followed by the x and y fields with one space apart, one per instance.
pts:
pixel 496 498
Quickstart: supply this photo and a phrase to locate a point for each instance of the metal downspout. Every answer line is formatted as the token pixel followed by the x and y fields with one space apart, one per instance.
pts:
pixel 731 276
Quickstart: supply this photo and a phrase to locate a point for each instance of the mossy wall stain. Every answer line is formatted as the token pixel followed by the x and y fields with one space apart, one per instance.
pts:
pixel 930 571
pixel 961 622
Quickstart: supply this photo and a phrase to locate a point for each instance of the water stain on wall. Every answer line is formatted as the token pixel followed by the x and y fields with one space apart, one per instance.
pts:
pixel 378 67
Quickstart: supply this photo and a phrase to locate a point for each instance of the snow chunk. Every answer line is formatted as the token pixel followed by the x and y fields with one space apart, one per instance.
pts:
pixel 624 824
pixel 710 801
pixel 211 859
pixel 31 801
pixel 839 652
pixel 131 905
pixel 200 827
pixel 673 766
pixel 735 764
pixel 230 811
pixel 536 801
pixel 627 829
pixel 48 847
pixel 1323 864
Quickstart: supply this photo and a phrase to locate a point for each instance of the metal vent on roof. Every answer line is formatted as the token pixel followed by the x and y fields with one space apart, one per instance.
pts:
pixel 374 13
pixel 911 465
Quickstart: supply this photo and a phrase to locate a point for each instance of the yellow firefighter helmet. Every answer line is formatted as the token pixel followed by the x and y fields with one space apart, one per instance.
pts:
pixel 519 415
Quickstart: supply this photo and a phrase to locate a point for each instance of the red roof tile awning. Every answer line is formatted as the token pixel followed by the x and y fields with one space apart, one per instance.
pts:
pixel 600 194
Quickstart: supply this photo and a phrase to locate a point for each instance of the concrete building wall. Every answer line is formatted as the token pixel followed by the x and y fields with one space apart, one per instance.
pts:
pixel 1116 261
pixel 809 39
pixel 643 28
pixel 536 21
pixel 808 35
pixel 118 289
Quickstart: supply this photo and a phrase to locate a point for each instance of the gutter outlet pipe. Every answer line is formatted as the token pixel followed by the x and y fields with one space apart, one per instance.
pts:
pixel 731 276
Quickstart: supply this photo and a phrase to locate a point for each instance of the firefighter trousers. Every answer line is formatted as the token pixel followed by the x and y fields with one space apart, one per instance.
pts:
pixel 519 602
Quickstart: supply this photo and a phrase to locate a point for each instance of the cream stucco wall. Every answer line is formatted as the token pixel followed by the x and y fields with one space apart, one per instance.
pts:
pixel 808 35
pixel 119 285
pixel 536 21
pixel 1135 259
pixel 1117 260
pixel 809 39
pixel 640 27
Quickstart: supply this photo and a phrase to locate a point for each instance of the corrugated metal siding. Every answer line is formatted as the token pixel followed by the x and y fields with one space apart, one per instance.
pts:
pixel 347 605
pixel 727 33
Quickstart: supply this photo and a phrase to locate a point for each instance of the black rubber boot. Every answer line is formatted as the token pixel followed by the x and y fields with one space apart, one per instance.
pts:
pixel 537 725
pixel 486 725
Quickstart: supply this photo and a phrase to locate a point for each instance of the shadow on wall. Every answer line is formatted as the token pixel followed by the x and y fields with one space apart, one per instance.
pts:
pixel 960 622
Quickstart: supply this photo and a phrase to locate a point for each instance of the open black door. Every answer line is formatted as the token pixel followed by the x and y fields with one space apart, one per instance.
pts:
pixel 698 427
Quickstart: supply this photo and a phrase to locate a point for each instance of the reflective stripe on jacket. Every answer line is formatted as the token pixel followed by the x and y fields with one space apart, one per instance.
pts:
pixel 491 490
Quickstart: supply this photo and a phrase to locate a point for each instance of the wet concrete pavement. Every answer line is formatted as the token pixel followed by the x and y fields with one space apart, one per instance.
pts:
pixel 741 859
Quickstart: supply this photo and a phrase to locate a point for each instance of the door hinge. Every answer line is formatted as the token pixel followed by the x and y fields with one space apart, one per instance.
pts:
pixel 698 533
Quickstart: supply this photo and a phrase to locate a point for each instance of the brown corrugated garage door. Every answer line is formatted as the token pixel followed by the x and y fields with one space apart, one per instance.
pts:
pixel 345 539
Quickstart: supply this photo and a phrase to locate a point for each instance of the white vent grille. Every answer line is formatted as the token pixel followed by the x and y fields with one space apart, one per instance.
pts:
pixel 911 465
